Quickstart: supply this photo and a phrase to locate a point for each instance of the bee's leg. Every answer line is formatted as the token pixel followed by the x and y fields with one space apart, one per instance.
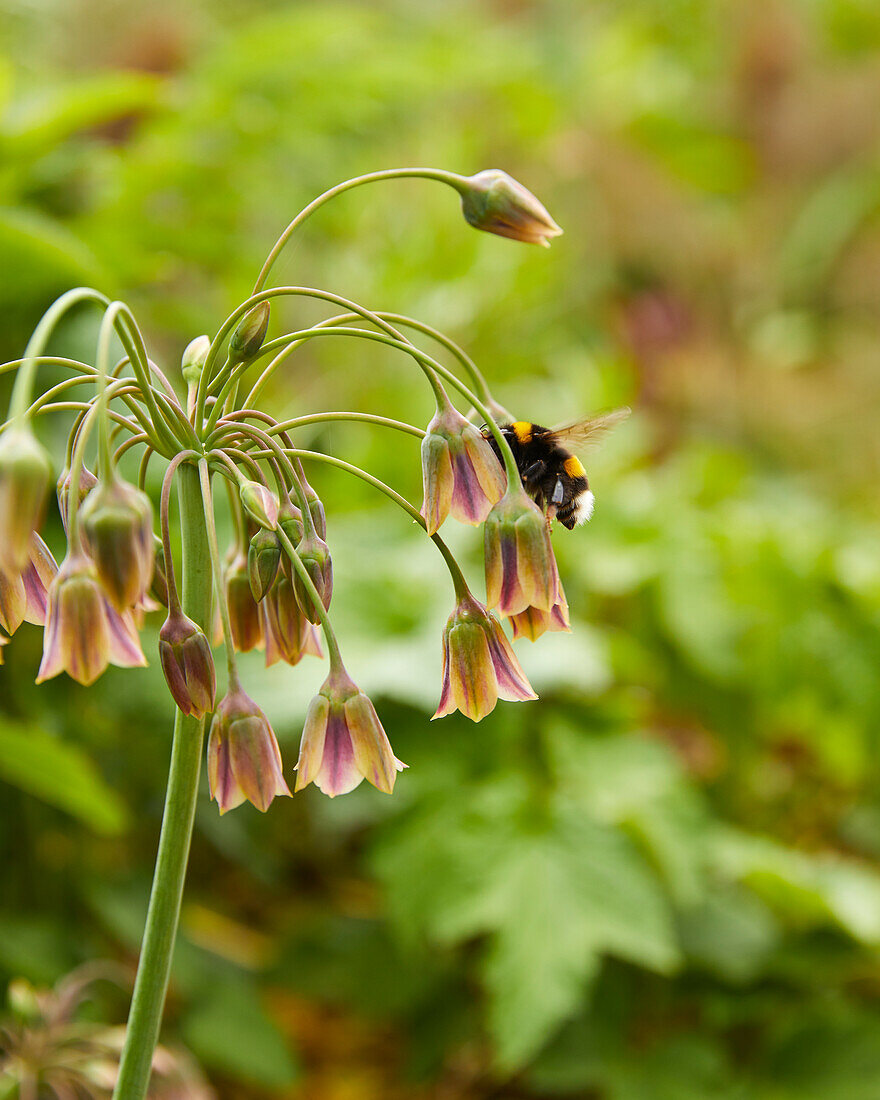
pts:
pixel 534 472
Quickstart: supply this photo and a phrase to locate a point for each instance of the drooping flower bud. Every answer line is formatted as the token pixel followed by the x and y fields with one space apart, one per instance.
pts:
pixel 24 596
pixel 84 632
pixel 248 337
pixel 263 561
pixel 314 553
pixel 533 622
pixel 244 612
pixel 290 521
pixel 260 503
pixel 494 201
pixel 117 526
pixel 244 761
pixel 25 477
pixel 479 664
pixel 194 355
pixel 316 509
pixel 460 471
pixel 188 664
pixel 289 635
pixel 87 482
pixel 343 741
pixel 520 567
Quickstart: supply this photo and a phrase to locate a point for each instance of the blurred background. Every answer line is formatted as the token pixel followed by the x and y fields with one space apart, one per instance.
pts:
pixel 663 881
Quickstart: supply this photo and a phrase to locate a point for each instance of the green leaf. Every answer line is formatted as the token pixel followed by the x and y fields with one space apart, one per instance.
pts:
pixel 62 775
pixel 231 1032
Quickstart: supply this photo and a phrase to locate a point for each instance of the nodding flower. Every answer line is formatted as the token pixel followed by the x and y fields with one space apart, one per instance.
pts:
pixel 244 761
pixel 520 567
pixel 117 528
pixel 188 664
pixel 343 742
pixel 244 611
pixel 24 596
pixel 84 632
pixel 460 471
pixel 288 633
pixel 479 665
pixel 25 477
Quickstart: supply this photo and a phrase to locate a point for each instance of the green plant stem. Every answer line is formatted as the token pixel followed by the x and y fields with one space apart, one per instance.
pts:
pixel 451 178
pixel 180 801
pixel 214 550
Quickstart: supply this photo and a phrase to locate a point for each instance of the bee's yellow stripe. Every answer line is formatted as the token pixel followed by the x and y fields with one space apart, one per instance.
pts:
pixel 522 429
pixel 573 467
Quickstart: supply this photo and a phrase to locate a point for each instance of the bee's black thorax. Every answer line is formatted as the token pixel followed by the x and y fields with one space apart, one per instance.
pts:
pixel 551 475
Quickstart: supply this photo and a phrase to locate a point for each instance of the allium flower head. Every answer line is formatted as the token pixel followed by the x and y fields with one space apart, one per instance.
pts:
pixel 117 527
pixel 263 560
pixel 84 632
pixel 494 201
pixel 24 596
pixel 479 665
pixel 25 477
pixel 520 567
pixel 314 553
pixel 244 761
pixel 343 741
pixel 533 622
pixel 460 471
pixel 244 612
pixel 289 634
pixel 188 665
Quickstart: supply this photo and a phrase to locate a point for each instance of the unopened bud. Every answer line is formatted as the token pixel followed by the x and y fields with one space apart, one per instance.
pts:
pixel 248 337
pixel 314 554
pixel 316 508
pixel 194 356
pixel 87 482
pixel 244 612
pixel 291 523
pixel 494 201
pixel 117 524
pixel 188 664
pixel 259 503
pixel 264 558
pixel 25 477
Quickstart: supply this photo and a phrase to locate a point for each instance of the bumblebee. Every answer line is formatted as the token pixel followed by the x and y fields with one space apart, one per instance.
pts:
pixel 551 473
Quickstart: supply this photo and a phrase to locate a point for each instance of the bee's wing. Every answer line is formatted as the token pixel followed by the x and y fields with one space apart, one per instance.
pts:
pixel 581 434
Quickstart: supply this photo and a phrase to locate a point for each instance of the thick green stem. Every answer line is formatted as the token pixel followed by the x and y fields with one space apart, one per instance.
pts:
pixel 180 803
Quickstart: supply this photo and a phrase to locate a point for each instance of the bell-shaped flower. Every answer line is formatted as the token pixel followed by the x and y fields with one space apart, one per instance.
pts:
pixel 263 561
pixel 24 596
pixel 533 622
pixel 479 665
pixel 494 201
pixel 244 611
pixel 244 761
pixel 460 471
pixel 520 567
pixel 84 632
pixel 87 482
pixel 314 554
pixel 188 664
pixel 117 527
pixel 289 634
pixel 343 741
pixel 25 477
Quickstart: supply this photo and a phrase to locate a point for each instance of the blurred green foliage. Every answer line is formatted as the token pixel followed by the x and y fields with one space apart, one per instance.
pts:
pixel 661 882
